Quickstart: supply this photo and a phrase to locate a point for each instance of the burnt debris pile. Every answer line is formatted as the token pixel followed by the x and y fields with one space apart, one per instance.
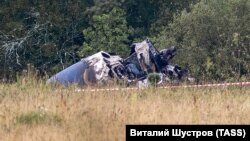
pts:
pixel 143 63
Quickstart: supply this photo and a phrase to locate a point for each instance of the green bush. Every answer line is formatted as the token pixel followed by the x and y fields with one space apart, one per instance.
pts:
pixel 154 78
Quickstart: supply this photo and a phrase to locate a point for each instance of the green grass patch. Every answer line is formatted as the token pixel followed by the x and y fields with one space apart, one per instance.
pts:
pixel 39 117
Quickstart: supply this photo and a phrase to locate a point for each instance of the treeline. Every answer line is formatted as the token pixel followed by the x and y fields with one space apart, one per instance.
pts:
pixel 212 36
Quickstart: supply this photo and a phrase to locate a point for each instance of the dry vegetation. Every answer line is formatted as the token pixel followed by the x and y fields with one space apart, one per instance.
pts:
pixel 32 111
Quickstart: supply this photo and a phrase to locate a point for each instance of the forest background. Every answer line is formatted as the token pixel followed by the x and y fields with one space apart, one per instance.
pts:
pixel 212 36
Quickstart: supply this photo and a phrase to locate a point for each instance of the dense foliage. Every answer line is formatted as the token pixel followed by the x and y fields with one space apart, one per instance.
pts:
pixel 212 36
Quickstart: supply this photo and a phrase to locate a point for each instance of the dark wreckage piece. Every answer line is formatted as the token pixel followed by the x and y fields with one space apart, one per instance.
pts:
pixel 145 58
pixel 174 72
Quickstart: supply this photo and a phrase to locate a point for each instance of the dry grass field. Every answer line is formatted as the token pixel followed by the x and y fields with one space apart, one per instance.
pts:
pixel 32 111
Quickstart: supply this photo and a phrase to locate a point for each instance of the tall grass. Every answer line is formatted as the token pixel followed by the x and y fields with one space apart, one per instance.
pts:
pixel 101 116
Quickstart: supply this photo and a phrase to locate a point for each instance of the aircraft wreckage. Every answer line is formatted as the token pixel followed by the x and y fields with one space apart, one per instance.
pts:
pixel 103 67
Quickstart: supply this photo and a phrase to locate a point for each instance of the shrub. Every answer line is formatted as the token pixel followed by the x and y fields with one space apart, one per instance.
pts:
pixel 154 78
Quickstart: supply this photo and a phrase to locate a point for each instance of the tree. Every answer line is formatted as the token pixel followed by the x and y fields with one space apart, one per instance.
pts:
pixel 108 32
pixel 45 34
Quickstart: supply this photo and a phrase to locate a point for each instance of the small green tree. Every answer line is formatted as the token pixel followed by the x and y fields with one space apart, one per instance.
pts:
pixel 108 32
